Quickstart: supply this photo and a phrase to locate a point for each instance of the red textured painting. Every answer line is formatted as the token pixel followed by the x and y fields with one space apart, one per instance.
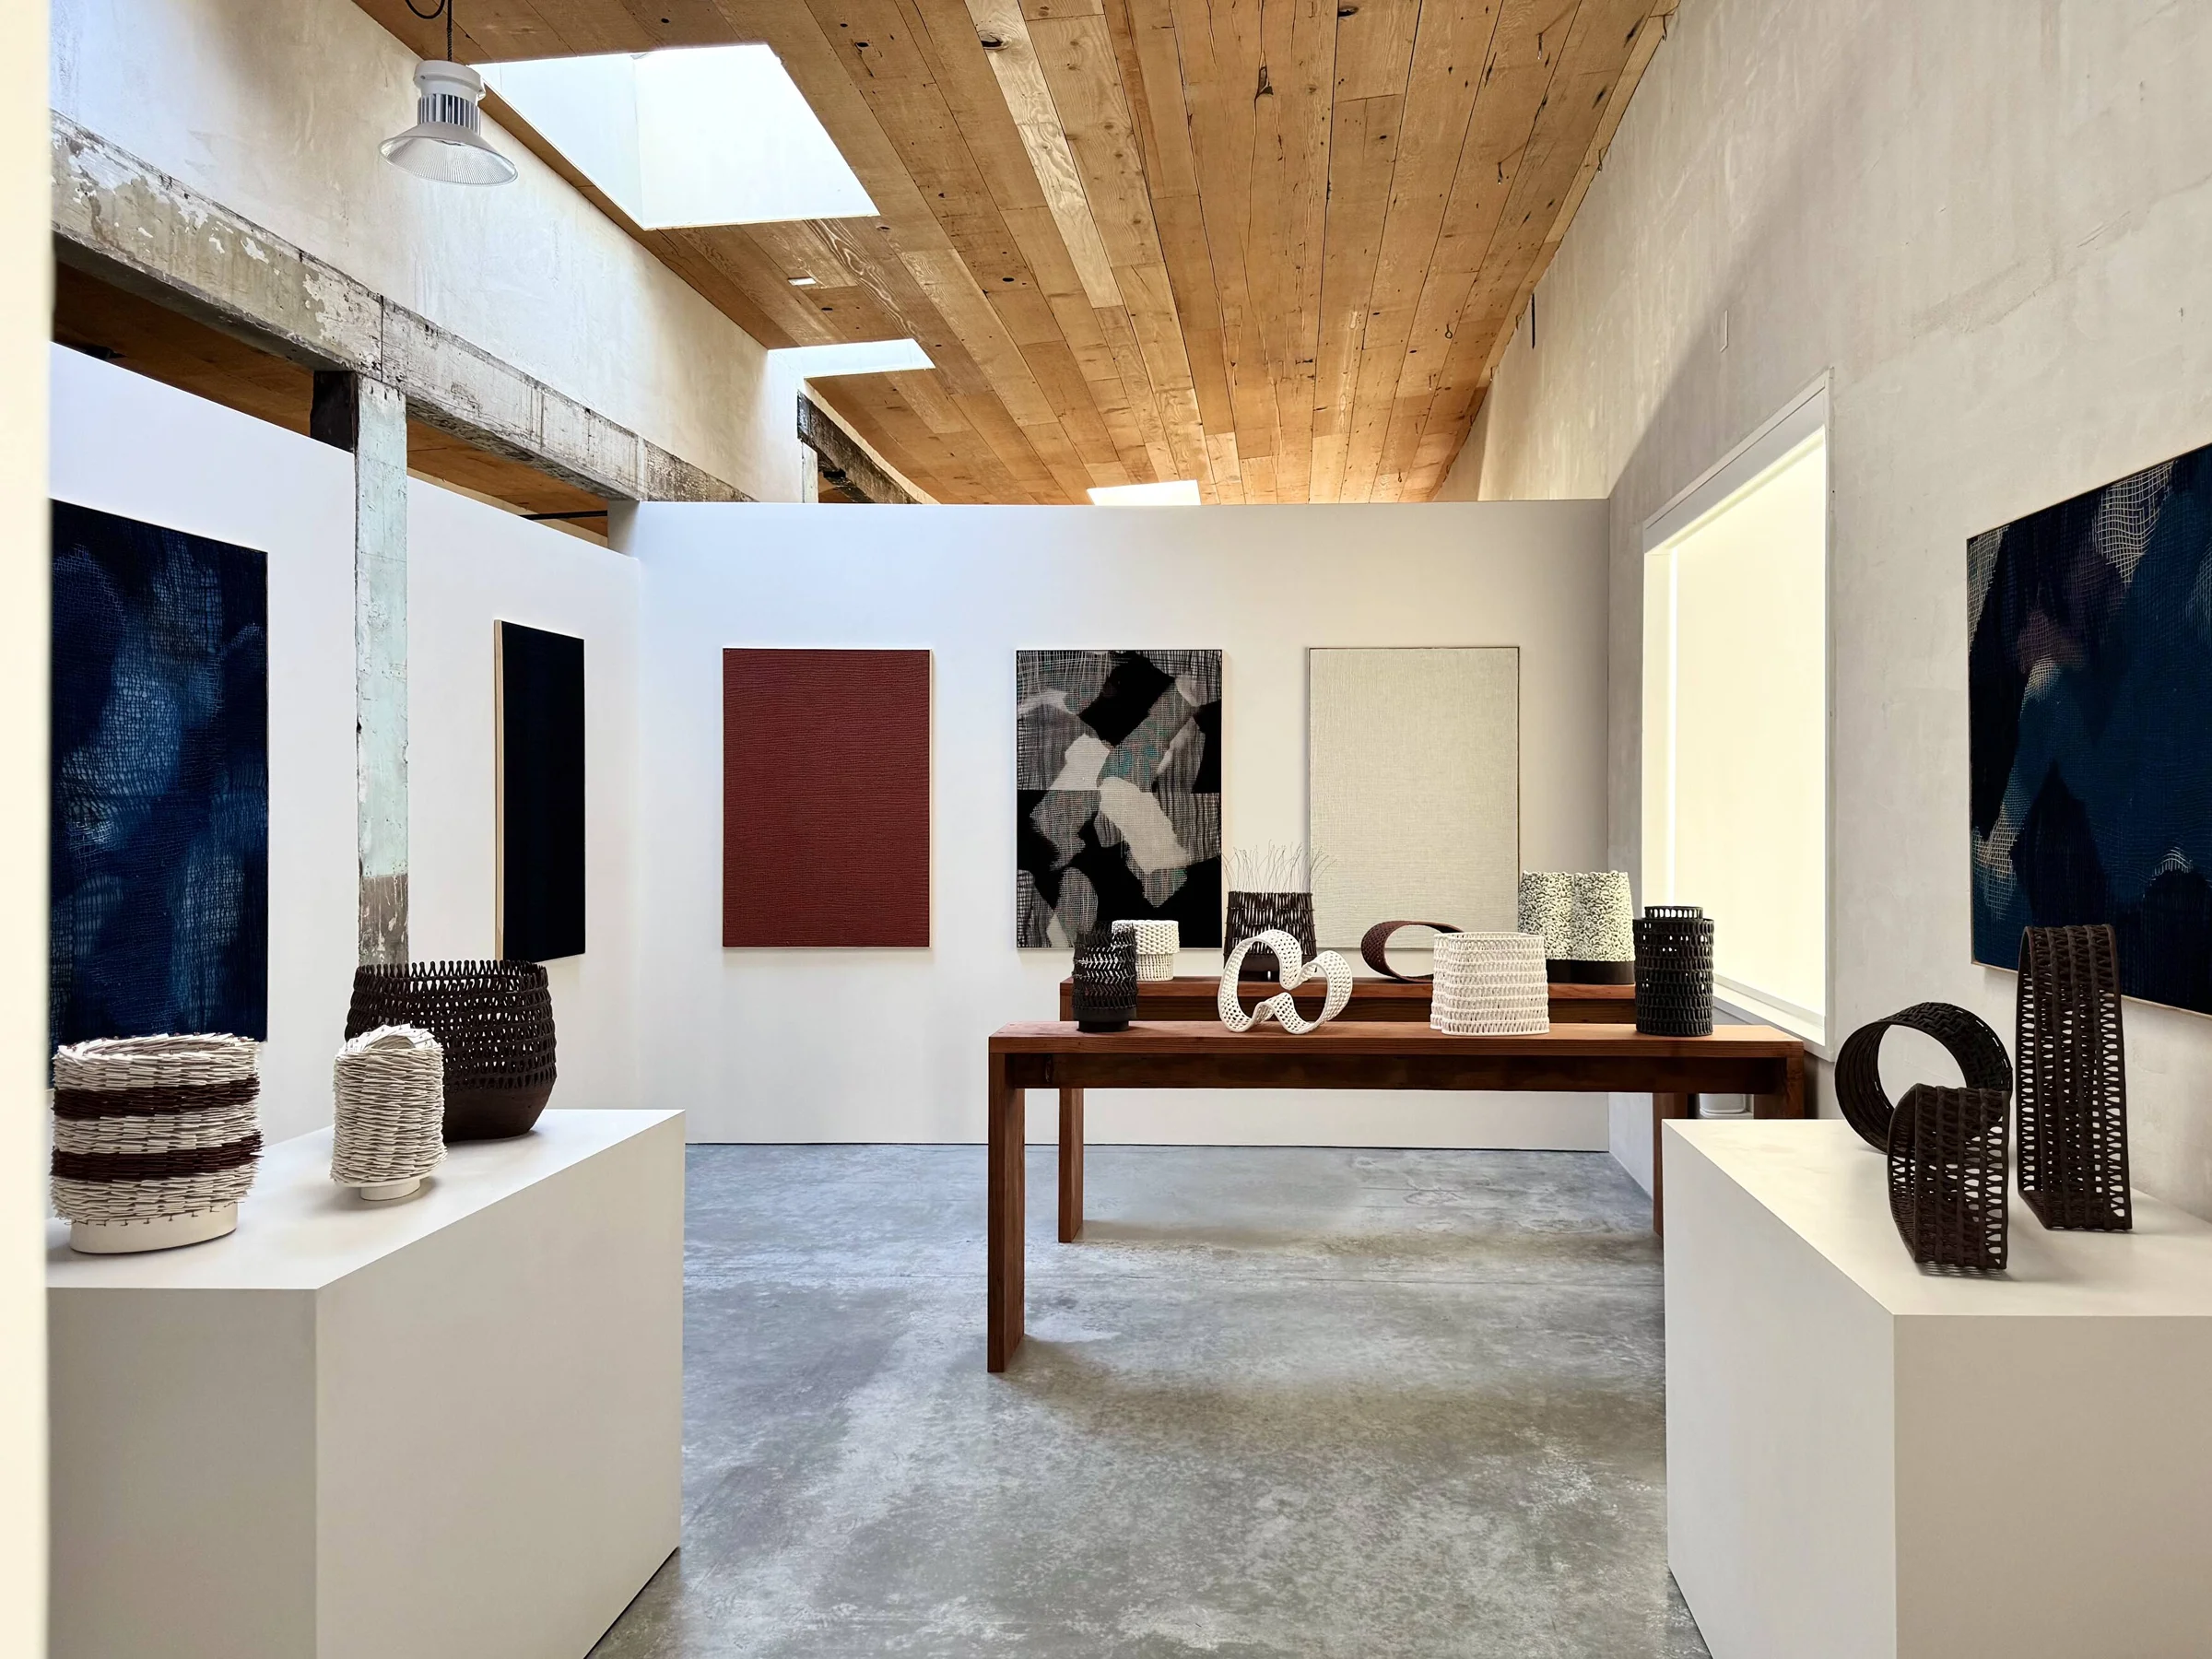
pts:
pixel 825 797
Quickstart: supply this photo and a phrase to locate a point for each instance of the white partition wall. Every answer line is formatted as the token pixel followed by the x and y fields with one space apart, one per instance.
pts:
pixel 808 1045
pixel 129 445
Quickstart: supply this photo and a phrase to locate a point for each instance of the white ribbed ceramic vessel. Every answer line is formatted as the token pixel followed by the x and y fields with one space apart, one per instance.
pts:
pixel 1490 985
pixel 390 1121
pixel 1157 943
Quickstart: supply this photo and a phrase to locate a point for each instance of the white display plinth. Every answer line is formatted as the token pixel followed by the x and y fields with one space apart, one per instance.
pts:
pixel 1866 1459
pixel 447 1426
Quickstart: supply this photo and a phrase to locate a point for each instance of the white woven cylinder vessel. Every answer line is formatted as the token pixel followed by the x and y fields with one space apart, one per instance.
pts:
pixel 155 1139
pixel 390 1121
pixel 1490 985
pixel 1157 943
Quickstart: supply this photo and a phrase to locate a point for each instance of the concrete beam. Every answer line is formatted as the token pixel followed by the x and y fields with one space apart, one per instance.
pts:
pixel 138 227
pixel 844 460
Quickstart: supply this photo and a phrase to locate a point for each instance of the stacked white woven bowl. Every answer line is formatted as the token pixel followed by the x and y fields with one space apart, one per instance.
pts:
pixel 1157 943
pixel 1490 985
pixel 155 1139
pixel 390 1123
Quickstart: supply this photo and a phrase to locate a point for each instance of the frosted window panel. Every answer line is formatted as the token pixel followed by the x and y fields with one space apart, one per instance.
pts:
pixel 1749 784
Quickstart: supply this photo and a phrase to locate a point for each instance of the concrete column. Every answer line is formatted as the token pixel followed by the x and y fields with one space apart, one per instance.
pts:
pixel 371 418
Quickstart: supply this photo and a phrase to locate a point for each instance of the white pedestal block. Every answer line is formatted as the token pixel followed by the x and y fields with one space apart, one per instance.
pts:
pixel 1870 1460
pixel 447 1426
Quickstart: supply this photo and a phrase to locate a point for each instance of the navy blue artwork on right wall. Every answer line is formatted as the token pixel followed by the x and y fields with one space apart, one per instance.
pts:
pixel 2090 713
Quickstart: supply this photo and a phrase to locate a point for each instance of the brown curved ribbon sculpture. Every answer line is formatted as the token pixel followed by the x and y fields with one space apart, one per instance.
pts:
pixel 1375 942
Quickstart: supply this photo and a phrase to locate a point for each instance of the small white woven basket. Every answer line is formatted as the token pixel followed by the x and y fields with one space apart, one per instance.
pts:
pixel 390 1127
pixel 155 1138
pixel 1157 943
pixel 1490 985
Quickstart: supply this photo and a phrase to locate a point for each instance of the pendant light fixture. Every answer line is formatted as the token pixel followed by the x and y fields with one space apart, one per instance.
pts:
pixel 447 141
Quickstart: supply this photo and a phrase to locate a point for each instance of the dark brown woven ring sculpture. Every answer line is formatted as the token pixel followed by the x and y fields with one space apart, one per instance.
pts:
pixel 1946 1176
pixel 1374 947
pixel 1978 1050
pixel 494 1021
pixel 1251 914
pixel 1104 989
pixel 2072 1097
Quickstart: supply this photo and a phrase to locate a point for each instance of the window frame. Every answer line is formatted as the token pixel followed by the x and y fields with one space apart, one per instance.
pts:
pixel 1803 416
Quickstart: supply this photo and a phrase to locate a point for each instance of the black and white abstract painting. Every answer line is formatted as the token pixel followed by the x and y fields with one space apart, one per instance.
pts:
pixel 2089 687
pixel 1118 778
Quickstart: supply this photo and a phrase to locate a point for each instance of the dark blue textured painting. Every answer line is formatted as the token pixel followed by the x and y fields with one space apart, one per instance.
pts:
pixel 2089 686
pixel 160 805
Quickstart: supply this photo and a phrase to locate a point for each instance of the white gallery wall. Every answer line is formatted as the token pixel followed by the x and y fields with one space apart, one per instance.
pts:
pixel 128 445
pixel 888 1045
pixel 1991 222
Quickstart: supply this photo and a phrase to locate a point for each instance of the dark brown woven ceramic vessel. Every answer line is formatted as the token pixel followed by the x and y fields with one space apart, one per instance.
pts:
pixel 1251 914
pixel 1103 992
pixel 1948 1176
pixel 495 1022
pixel 2073 1091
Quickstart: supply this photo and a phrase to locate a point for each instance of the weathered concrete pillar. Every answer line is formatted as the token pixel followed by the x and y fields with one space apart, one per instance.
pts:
pixel 368 417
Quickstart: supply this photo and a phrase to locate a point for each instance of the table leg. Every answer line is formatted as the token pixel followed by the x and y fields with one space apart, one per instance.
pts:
pixel 1664 1106
pixel 1790 1101
pixel 1007 1131
pixel 1071 1165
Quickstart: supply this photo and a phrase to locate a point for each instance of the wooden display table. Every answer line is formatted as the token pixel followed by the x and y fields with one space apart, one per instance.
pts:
pixel 1191 997
pixel 1758 1061
pixel 1865 1460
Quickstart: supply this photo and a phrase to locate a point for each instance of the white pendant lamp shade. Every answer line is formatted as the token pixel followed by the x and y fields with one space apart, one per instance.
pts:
pixel 447 141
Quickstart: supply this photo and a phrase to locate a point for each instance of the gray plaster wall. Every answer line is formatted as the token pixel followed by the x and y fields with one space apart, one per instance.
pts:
pixel 1991 222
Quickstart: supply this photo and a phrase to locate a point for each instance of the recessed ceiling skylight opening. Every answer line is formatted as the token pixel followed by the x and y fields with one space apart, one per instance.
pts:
pixel 689 136
pixel 1178 492
pixel 852 357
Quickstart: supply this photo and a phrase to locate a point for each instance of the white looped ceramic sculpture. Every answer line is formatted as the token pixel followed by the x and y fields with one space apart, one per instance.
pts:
pixel 1328 964
pixel 1157 943
pixel 1490 985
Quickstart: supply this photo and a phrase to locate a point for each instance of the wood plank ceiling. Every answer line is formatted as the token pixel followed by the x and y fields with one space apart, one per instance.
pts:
pixel 1276 246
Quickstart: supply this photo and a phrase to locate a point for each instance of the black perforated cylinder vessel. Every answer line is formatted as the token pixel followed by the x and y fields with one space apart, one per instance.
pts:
pixel 1674 971
pixel 1104 993
pixel 1251 914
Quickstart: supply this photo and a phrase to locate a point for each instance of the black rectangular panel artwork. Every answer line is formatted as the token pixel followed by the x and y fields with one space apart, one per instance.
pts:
pixel 541 793
pixel 1118 783
pixel 2089 690
pixel 158 896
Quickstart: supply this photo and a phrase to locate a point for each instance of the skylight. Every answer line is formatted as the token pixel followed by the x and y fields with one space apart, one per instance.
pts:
pixel 689 136
pixel 1180 493
pixel 851 357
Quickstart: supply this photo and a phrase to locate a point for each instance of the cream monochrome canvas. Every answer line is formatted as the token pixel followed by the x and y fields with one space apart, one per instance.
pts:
pixel 1414 786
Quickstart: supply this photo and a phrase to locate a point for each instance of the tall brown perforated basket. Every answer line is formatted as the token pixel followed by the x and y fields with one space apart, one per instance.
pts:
pixel 1947 1177
pixel 495 1022
pixel 2073 1083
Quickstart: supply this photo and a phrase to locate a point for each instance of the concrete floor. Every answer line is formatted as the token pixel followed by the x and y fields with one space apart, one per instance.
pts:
pixel 1279 1403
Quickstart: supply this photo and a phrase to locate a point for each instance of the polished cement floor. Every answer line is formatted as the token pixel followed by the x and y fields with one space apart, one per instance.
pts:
pixel 1278 1404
